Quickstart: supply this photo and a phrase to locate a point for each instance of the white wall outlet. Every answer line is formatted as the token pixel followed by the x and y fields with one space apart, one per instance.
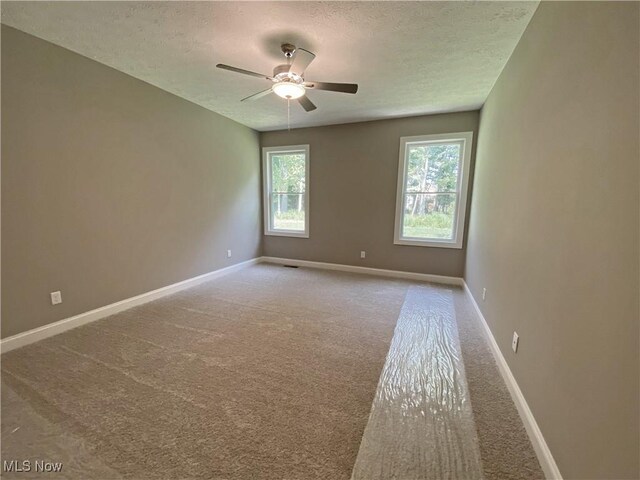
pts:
pixel 56 298
pixel 228 253
pixel 484 293
pixel 363 254
pixel 514 342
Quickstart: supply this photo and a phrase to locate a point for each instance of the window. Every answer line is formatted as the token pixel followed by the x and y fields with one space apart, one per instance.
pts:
pixel 286 191
pixel 432 190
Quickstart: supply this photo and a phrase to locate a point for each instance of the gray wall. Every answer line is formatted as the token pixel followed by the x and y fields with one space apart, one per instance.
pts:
pixel 353 179
pixel 112 187
pixel 554 230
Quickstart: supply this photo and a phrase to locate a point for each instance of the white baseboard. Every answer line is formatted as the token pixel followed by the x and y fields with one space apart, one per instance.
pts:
pixel 540 446
pixel 51 329
pixel 422 277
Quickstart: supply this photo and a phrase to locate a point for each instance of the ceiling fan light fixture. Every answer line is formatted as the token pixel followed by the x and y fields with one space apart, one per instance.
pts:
pixel 288 80
pixel 288 90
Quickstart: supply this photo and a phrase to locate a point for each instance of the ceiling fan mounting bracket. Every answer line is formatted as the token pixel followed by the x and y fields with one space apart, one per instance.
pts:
pixel 288 49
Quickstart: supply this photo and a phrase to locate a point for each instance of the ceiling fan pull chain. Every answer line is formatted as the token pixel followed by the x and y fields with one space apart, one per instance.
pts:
pixel 288 114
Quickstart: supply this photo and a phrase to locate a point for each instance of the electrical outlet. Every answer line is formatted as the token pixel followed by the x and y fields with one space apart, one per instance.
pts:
pixel 228 253
pixel 56 298
pixel 514 342
pixel 484 293
pixel 363 254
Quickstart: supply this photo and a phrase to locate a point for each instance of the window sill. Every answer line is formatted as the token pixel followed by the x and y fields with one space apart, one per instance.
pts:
pixel 287 233
pixel 428 243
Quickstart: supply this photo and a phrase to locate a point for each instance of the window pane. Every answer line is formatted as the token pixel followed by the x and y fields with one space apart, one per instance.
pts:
pixel 429 216
pixel 432 167
pixel 287 211
pixel 287 172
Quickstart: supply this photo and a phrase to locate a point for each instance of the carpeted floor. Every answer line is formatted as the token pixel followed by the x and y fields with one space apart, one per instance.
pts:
pixel 505 448
pixel 269 372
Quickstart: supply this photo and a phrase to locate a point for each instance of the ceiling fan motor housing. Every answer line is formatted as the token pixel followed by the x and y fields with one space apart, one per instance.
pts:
pixel 281 69
pixel 282 73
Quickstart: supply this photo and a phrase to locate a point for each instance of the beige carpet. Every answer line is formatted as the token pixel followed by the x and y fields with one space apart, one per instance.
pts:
pixel 505 448
pixel 267 373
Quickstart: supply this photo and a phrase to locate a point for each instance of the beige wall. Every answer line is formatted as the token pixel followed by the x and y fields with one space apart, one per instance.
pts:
pixel 353 179
pixel 112 187
pixel 554 230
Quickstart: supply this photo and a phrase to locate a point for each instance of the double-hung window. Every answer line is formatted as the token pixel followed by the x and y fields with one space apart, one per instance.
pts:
pixel 286 190
pixel 433 177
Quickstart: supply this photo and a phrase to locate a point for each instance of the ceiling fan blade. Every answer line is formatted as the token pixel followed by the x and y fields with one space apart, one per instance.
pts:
pixel 240 70
pixel 258 95
pixel 301 60
pixel 333 87
pixel 306 103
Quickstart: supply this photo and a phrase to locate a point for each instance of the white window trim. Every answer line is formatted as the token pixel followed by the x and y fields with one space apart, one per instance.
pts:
pixel 463 182
pixel 266 189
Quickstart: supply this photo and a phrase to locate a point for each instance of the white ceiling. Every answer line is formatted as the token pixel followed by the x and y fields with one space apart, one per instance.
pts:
pixel 409 58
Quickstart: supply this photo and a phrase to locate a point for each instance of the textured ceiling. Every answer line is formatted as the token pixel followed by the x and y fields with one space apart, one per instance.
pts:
pixel 409 58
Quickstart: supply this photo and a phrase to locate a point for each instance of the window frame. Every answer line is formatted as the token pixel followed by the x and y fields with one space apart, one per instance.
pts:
pixel 267 152
pixel 461 192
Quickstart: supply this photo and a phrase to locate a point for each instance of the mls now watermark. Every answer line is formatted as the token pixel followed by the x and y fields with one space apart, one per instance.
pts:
pixel 41 466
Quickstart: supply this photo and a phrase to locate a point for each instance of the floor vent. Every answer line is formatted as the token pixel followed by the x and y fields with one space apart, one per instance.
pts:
pixel 290 266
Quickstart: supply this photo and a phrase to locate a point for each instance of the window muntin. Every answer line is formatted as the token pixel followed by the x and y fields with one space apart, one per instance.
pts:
pixel 286 174
pixel 432 186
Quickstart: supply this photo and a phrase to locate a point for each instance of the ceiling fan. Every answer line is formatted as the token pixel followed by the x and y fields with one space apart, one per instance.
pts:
pixel 288 79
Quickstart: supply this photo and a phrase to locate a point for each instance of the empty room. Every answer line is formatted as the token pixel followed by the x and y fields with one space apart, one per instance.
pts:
pixel 320 240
